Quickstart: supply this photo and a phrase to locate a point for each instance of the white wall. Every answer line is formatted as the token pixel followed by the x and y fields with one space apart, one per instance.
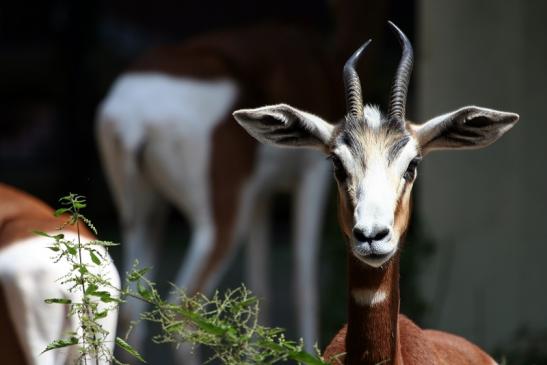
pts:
pixel 486 209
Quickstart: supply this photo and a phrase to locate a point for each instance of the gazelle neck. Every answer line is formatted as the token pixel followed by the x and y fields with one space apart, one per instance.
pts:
pixel 372 334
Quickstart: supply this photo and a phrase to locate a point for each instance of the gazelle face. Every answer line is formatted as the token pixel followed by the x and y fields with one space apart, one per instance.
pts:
pixel 374 156
pixel 374 165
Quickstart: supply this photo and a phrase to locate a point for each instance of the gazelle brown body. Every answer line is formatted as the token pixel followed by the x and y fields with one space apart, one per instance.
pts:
pixel 375 157
pixel 28 276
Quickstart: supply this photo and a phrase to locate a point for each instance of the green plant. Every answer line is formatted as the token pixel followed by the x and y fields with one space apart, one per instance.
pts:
pixel 227 324
pixel 87 279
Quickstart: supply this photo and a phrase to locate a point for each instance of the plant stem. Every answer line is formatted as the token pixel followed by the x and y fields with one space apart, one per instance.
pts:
pixel 86 309
pixel 76 217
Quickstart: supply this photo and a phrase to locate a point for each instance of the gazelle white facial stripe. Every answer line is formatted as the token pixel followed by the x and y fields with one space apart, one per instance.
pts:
pixel 368 297
pixel 377 199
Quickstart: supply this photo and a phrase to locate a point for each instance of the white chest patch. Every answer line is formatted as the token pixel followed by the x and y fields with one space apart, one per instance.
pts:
pixel 368 297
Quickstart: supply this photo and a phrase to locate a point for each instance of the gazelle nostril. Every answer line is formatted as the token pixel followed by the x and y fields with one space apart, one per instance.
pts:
pixel 359 235
pixel 381 234
pixel 376 235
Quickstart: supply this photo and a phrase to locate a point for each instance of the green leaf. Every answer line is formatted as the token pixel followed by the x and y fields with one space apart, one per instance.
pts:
pixel 41 233
pixel 57 237
pixel 91 289
pixel 71 250
pixel 205 324
pixel 305 357
pixel 231 334
pixel 66 198
pixel 127 347
pixel 60 211
pixel 94 258
pixel 100 293
pixel 54 248
pixel 144 292
pixel 57 344
pixel 106 298
pixel 246 303
pixel 137 274
pixel 82 269
pixel 101 314
pixel 79 205
pixel 58 301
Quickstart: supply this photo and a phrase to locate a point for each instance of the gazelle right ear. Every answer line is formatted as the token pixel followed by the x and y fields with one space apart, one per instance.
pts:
pixel 285 126
pixel 468 127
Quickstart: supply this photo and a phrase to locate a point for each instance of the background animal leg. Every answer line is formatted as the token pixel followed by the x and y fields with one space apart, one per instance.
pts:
pixel 142 230
pixel 196 257
pixel 141 210
pixel 258 256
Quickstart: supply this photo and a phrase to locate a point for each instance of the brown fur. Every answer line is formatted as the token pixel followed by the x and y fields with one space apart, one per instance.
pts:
pixel 10 349
pixel 419 347
pixel 21 213
pixel 372 329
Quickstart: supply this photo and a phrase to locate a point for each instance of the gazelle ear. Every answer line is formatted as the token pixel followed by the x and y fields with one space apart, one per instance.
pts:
pixel 468 127
pixel 283 125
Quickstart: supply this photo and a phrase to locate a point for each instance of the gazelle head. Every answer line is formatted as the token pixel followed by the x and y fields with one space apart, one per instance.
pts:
pixel 374 155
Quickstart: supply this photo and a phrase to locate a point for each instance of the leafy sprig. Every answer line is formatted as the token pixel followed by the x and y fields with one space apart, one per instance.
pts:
pixel 87 281
pixel 227 323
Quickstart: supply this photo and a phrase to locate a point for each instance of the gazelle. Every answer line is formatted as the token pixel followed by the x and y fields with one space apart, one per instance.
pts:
pixel 28 276
pixel 166 135
pixel 374 158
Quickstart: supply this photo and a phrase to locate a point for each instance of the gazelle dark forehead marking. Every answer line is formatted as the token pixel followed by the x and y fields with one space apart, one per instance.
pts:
pixel 396 148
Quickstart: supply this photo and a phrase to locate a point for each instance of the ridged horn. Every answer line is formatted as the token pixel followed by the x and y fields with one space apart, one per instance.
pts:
pixel 352 84
pixel 399 88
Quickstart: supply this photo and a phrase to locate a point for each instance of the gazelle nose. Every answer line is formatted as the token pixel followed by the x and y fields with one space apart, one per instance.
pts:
pixel 376 234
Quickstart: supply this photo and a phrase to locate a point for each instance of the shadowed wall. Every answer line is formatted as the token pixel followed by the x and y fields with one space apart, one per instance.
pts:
pixel 486 210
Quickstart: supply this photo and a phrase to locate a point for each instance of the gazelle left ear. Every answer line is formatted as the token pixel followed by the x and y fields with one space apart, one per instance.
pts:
pixel 285 126
pixel 468 127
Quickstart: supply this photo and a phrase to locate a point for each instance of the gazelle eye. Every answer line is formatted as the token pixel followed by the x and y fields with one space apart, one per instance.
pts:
pixel 410 172
pixel 339 169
